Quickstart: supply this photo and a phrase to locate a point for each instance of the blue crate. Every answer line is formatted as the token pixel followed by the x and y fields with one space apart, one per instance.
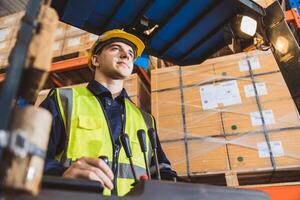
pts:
pixel 295 4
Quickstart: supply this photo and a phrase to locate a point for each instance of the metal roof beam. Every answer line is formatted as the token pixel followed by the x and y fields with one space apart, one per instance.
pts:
pixel 141 13
pixel 189 27
pixel 117 6
pixel 168 17
pixel 203 40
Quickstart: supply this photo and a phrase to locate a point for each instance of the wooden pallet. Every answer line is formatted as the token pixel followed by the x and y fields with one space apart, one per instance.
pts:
pixel 75 54
pixel 242 178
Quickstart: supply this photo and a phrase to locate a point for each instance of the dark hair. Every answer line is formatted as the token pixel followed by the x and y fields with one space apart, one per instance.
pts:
pixel 101 45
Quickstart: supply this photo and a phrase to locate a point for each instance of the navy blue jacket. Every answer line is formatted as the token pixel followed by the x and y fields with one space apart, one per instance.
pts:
pixel 114 108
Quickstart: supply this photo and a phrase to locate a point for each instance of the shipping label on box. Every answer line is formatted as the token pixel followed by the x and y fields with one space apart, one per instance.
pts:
pixel 56 46
pixel 58 32
pixel 268 116
pixel 4 33
pixel 208 97
pixel 226 93
pixel 276 148
pixel 260 87
pixel 73 42
pixel 254 63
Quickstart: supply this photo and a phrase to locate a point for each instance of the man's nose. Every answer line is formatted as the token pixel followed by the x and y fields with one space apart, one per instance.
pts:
pixel 124 54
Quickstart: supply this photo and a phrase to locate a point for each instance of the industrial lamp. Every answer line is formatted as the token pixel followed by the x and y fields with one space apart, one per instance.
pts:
pixel 245 26
pixel 282 44
pixel 246 32
pixel 248 25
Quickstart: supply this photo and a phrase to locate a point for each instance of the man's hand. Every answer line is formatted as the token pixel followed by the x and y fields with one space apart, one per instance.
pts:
pixel 92 169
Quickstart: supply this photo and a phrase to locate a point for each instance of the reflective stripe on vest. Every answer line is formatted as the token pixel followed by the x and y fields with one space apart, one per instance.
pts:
pixel 150 124
pixel 88 133
pixel 65 102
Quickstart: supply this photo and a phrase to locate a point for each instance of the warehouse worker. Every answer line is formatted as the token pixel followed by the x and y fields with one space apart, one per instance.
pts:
pixel 89 120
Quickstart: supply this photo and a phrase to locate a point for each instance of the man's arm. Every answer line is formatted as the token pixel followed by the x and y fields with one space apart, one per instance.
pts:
pixel 56 140
pixel 166 171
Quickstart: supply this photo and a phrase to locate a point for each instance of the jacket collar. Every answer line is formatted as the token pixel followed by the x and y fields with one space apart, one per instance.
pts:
pixel 99 90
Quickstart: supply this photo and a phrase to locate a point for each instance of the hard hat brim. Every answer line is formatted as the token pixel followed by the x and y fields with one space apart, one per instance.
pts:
pixel 140 46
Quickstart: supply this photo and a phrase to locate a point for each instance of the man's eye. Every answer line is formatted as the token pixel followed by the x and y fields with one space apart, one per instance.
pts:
pixel 115 48
pixel 131 55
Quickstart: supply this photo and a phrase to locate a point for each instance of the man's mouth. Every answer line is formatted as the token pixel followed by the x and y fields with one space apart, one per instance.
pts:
pixel 123 63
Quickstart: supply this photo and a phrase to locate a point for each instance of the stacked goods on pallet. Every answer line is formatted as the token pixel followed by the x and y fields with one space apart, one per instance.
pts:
pixel 156 63
pixel 137 90
pixel 77 41
pixel 264 3
pixel 90 39
pixel 68 39
pixel 59 33
pixel 9 26
pixel 231 113
pixel 74 41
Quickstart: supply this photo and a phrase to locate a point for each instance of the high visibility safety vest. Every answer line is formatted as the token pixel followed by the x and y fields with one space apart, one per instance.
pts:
pixel 88 134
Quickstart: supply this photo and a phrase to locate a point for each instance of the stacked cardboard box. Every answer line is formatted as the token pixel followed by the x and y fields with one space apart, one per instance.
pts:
pixel 59 35
pixel 136 89
pixel 156 63
pixel 264 3
pixel 77 40
pixel 211 118
pixel 68 39
pixel 74 40
pixel 9 26
pixel 138 92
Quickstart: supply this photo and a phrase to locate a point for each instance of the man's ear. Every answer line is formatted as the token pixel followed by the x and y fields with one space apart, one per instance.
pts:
pixel 95 61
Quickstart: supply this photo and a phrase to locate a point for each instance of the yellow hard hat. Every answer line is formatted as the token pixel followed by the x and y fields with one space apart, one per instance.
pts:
pixel 117 33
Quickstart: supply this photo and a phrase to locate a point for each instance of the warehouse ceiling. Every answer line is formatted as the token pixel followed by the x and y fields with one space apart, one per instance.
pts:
pixel 8 7
pixel 179 31
pixel 183 32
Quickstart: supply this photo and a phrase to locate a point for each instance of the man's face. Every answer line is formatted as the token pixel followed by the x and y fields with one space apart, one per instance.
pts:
pixel 115 60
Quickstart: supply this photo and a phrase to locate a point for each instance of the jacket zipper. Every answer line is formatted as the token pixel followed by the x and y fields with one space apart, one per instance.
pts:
pixel 116 153
pixel 115 167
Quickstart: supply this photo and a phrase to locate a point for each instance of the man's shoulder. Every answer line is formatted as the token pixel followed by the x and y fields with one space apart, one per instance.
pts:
pixel 77 90
pixel 141 109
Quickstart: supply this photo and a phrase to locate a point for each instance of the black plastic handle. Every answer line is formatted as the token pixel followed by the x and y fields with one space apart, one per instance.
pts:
pixel 142 139
pixel 126 144
pixel 104 158
pixel 152 137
